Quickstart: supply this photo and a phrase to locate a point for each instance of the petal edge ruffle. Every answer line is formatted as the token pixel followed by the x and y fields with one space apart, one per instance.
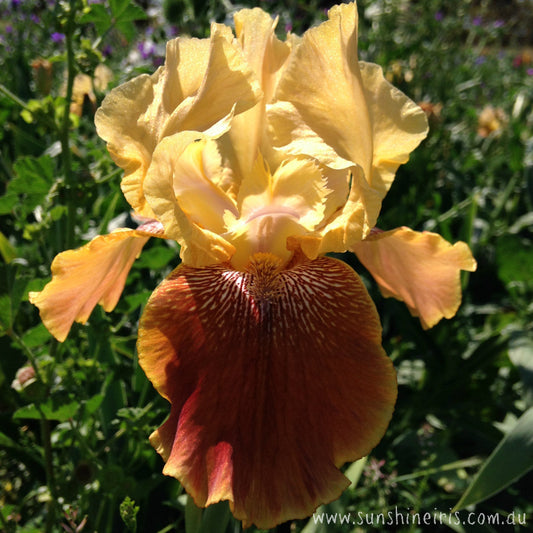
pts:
pixel 419 268
pixel 81 278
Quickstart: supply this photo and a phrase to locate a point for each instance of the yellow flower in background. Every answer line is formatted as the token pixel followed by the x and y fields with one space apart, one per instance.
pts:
pixel 259 156
pixel 491 121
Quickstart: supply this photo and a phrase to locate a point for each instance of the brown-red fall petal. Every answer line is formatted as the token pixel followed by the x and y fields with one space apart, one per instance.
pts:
pixel 276 378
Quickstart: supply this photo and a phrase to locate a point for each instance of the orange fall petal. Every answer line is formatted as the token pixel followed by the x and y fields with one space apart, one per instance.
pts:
pixel 94 273
pixel 276 378
pixel 419 268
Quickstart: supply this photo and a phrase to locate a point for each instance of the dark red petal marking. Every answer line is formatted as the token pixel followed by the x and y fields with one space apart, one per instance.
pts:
pixel 276 378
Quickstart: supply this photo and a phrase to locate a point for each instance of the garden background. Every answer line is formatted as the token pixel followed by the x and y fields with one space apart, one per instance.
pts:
pixel 75 417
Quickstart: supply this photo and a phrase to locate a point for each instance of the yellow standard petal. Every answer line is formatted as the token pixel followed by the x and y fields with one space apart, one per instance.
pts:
pixel 183 189
pixel 419 268
pixel 81 278
pixel 267 56
pixel 398 126
pixel 323 85
pixel 202 83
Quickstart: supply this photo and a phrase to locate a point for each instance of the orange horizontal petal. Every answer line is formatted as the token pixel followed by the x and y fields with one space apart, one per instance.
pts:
pixel 94 273
pixel 276 378
pixel 419 268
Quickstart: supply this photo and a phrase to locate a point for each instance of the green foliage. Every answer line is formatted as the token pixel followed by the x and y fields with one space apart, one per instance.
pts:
pixel 128 513
pixel 511 459
pixel 75 417
pixel 118 14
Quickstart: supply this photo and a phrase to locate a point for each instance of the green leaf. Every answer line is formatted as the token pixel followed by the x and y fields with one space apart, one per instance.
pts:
pixel 92 405
pixel 514 256
pixel 99 16
pixel 127 29
pixel 12 290
pixel 7 202
pixel 355 470
pixel 132 13
pixel 511 459
pixel 34 176
pixel 215 518
pixel 156 257
pixel 7 250
pixel 37 336
pixel 47 410
pixel 128 513
pixel 193 517
pixel 6 316
pixel 117 6
pixel 521 355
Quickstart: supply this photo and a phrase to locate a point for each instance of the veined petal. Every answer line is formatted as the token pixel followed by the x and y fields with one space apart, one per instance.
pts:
pixel 259 366
pixel 94 273
pixel 398 126
pixel 419 268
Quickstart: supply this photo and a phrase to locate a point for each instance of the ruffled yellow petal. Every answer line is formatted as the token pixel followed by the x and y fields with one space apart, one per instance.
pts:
pixel 229 82
pixel 398 126
pixel 274 207
pixel 264 52
pixel 354 221
pixel 196 173
pixel 202 83
pixel 178 189
pixel 419 268
pixel 267 56
pixel 81 278
pixel 324 85
pixel 292 135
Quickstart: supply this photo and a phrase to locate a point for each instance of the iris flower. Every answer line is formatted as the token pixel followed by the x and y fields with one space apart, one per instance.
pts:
pixel 259 156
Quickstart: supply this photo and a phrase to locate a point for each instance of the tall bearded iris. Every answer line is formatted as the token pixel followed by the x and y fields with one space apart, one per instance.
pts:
pixel 258 157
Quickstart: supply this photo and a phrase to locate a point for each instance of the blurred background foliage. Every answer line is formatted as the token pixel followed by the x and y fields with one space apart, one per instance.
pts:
pixel 74 417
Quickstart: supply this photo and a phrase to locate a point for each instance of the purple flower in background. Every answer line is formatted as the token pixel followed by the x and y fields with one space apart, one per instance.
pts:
pixel 480 60
pixel 58 37
pixel 107 50
pixel 439 15
pixel 35 19
pixel 476 21
pixel 9 29
pixel 498 24
pixel 147 49
pixel 529 71
pixel 288 27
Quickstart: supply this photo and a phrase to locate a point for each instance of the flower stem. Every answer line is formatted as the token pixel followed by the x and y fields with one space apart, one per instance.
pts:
pixel 6 92
pixel 29 354
pixel 65 126
pixel 49 469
